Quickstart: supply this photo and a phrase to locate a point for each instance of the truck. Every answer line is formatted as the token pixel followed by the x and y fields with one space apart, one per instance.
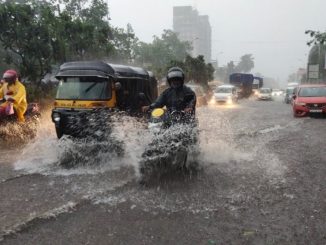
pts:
pixel 243 82
pixel 257 84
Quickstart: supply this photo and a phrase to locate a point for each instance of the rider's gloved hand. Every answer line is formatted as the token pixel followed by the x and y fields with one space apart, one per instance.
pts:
pixel 145 108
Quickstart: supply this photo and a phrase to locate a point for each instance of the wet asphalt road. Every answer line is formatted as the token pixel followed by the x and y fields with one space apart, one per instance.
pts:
pixel 263 182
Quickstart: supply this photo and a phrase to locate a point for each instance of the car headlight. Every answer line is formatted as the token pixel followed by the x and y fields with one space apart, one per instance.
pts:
pixel 300 103
pixel 56 117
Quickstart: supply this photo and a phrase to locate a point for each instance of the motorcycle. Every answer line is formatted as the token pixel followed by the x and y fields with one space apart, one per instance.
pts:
pixel 173 148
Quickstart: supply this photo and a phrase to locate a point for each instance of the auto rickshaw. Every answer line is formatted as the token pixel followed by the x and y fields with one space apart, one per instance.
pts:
pixel 86 87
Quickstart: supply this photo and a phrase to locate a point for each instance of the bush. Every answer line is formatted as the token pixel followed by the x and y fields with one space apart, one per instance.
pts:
pixel 41 91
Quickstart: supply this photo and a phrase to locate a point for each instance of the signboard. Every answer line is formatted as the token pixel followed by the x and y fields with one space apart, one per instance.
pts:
pixel 313 71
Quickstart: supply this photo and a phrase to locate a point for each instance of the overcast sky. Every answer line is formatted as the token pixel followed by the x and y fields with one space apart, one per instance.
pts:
pixel 271 30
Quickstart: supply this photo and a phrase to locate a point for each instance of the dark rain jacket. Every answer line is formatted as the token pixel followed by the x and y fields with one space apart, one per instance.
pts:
pixel 176 99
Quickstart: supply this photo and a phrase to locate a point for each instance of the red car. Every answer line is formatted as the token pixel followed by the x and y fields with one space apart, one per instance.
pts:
pixel 309 99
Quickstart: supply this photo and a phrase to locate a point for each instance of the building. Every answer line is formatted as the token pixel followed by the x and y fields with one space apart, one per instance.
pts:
pixel 317 64
pixel 195 29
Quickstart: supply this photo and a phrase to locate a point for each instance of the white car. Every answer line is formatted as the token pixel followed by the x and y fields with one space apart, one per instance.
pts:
pixel 264 94
pixel 277 92
pixel 225 94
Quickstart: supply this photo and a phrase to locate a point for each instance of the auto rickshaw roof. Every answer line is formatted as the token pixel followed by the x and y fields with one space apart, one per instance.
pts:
pixel 123 71
pixel 85 68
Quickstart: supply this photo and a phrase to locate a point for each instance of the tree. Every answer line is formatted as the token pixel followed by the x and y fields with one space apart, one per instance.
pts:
pixel 84 32
pixel 230 68
pixel 317 37
pixel 26 37
pixel 246 63
pixel 37 34
pixel 162 51
pixel 125 42
pixel 196 70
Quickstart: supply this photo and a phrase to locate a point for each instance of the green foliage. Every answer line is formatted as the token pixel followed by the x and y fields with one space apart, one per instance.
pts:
pixel 37 34
pixel 161 51
pixel 196 70
pixel 317 37
pixel 246 63
pixel 125 42
pixel 83 32
pixel 25 36
pixel 38 92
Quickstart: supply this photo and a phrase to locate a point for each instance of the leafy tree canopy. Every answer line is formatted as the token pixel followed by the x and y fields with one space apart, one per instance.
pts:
pixel 195 69
pixel 317 37
pixel 246 63
pixel 161 51
pixel 37 34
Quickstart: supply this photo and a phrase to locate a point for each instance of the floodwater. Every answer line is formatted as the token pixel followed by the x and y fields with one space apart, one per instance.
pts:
pixel 247 163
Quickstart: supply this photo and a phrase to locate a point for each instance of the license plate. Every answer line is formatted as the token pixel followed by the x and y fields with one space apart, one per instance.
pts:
pixel 316 110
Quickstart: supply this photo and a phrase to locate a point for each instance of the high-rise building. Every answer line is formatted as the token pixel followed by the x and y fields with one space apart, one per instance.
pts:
pixel 195 29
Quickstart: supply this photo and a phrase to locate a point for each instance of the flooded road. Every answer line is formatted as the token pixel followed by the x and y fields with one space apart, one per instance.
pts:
pixel 263 182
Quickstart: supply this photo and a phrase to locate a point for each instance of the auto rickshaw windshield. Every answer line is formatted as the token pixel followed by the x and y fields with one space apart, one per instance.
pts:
pixel 84 88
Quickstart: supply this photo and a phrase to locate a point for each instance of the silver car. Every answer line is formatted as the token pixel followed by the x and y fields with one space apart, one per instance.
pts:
pixel 264 94
pixel 225 94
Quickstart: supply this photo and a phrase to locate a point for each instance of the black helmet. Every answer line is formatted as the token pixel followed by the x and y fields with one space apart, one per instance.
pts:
pixel 175 73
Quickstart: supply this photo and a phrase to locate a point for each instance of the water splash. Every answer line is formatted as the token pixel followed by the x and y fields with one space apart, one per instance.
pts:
pixel 46 154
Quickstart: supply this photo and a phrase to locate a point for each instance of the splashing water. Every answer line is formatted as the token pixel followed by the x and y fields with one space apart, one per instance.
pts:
pixel 46 154
pixel 221 147
pixel 13 133
pixel 218 148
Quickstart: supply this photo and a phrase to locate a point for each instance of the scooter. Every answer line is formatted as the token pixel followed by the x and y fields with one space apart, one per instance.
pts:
pixel 32 112
pixel 174 136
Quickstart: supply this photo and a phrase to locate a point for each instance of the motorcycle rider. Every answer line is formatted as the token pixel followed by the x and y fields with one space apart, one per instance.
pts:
pixel 178 96
pixel 13 91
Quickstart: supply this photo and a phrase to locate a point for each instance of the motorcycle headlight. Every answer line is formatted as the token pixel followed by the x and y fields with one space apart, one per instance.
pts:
pixel 56 117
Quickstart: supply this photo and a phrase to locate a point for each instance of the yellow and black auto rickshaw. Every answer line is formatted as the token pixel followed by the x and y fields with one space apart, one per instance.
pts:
pixel 88 86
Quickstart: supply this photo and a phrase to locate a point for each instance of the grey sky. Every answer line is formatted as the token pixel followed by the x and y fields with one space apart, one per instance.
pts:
pixel 271 30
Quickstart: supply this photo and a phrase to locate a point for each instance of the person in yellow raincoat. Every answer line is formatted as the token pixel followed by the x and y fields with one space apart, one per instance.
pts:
pixel 13 91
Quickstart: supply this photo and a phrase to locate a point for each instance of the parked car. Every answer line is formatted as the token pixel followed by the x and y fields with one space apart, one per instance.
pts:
pixel 309 99
pixel 264 94
pixel 226 94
